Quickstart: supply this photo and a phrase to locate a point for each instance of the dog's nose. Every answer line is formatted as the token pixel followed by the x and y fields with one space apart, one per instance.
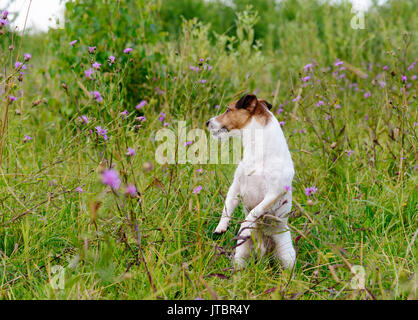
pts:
pixel 207 123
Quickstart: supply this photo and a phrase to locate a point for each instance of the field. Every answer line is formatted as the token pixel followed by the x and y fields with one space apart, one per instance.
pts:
pixel 83 103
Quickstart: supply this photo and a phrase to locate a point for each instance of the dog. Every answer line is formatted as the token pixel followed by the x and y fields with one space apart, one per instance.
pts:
pixel 262 180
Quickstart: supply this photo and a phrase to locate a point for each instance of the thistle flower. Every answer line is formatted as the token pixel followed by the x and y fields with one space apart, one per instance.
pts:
pixel 97 96
pixel 111 178
pixel 282 123
pixel 305 79
pixel 130 152
pixel 404 78
pixel 288 188
pixel 72 43
pixel 141 119
pixel 320 103
pixel 102 132
pixel 349 152
pixel 27 138
pixel 96 65
pixel 84 119
pixel 203 81
pixel 197 189
pixel 12 98
pixel 367 94
pixel 18 65
pixel 296 99
pixel 311 190
pixel 130 190
pixel 127 50
pixel 200 170
pixel 79 189
pixel 92 50
pixel 111 59
pixel 141 104
pixel 188 143
pixel 27 56
pixel 338 62
pixel 308 67
pixel 412 66
pixel 88 73
pixel 162 117
pixel 124 114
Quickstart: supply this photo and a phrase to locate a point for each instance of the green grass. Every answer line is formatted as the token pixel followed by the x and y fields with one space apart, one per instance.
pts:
pixel 160 245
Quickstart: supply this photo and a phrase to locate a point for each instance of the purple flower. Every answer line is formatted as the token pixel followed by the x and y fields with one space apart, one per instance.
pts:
pixel 12 98
pixel 308 66
pixel 296 99
pixel 124 114
pixel 111 59
pixel 193 68
pixel 382 84
pixel 159 91
pixel 96 65
pixel 111 178
pixel 385 68
pixel 79 190
pixel 3 22
pixel 188 143
pixel 403 78
pixel 367 94
pixel 203 81
pixel 84 119
pixel 18 65
pixel 88 73
pixel 197 190
pixel 349 153
pixel 200 170
pixel 288 188
pixel 92 50
pixel 217 106
pixel 130 152
pixel 337 106
pixel 27 56
pixel 102 132
pixel 130 190
pixel 166 124
pixel 305 79
pixel 27 138
pixel 5 13
pixel 413 77
pixel 338 63
pixel 97 95
pixel 72 43
pixel 320 103
pixel 141 104
pixel 162 117
pixel 310 191
pixel 282 123
pixel 127 50
pixel 412 66
pixel 142 118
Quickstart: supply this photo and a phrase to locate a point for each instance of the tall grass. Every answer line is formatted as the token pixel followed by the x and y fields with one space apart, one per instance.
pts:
pixel 351 129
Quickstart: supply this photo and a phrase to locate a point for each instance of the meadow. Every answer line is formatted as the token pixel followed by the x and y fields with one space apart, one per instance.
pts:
pixel 87 213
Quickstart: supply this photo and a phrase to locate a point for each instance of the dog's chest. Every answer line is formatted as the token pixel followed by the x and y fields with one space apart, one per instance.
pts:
pixel 252 190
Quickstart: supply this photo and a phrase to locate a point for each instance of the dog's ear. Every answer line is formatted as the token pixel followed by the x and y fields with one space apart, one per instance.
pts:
pixel 268 104
pixel 247 101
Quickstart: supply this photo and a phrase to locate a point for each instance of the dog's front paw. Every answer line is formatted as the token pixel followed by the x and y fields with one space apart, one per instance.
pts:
pixel 222 227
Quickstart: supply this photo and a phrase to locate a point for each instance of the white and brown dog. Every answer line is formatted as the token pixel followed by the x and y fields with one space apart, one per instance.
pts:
pixel 262 180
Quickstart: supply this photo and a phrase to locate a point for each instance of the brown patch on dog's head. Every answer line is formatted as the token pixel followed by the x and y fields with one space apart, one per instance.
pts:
pixel 239 113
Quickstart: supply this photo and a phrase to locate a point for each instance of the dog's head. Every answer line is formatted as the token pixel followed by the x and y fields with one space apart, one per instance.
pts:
pixel 238 115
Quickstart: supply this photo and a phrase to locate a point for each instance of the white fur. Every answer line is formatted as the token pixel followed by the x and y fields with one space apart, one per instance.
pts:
pixel 259 181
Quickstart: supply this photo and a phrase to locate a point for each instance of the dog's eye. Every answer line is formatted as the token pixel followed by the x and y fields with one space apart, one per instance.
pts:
pixel 227 110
